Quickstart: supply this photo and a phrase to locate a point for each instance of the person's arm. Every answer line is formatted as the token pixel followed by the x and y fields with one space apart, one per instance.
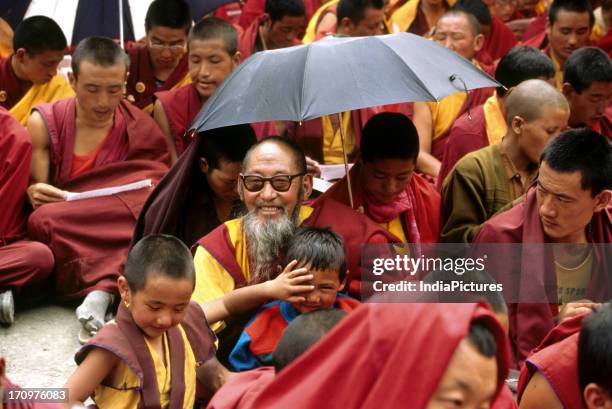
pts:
pixel 426 162
pixel 213 375
pixel 89 374
pixel 539 394
pixel 284 287
pixel 162 121
pixel 40 191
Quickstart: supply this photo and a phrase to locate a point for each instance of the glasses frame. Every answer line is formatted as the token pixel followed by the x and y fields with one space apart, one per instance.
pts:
pixel 270 180
pixel 174 47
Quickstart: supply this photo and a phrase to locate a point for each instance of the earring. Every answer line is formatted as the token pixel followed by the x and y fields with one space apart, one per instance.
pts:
pixel 127 304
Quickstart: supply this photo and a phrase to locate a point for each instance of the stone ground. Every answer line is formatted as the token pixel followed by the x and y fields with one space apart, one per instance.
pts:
pixel 39 347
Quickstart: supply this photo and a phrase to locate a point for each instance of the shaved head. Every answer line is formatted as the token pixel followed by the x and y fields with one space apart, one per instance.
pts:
pixel 528 99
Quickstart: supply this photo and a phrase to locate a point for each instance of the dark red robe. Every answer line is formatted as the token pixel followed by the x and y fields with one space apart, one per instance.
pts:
pixel 465 136
pixel 141 73
pixel 535 33
pixel 181 107
pixel 90 238
pixel 309 134
pixel 556 358
pixel 241 388
pixel 375 376
pixel 605 43
pixel 10 87
pixel 21 261
pixel 604 126
pixel 475 98
pixel 253 9
pixel 500 40
pixel 529 323
pixel 427 213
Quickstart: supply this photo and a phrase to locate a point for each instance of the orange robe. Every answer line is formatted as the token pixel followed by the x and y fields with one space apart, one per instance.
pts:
pixel 90 238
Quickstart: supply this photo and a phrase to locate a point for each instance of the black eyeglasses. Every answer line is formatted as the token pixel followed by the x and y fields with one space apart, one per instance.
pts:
pixel 280 183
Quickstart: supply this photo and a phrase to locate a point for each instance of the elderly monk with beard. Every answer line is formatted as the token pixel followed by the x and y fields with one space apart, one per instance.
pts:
pixel 247 250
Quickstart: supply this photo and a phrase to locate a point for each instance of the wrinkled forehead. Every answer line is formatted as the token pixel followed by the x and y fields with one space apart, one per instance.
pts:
pixel 454 23
pixel 270 159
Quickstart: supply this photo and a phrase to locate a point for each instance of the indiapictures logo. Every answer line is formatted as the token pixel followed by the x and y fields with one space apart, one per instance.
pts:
pixel 140 87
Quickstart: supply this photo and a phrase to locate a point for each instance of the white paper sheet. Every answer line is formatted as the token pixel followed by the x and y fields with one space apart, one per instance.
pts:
pixel 107 191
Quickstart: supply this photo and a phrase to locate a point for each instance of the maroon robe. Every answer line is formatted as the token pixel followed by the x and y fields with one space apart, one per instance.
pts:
pixel 427 213
pixel 141 73
pixel 500 40
pixel 10 86
pixel 556 358
pixel 604 126
pixel 475 98
pixel 309 134
pixel 90 238
pixel 536 32
pixel 181 107
pixel 465 136
pixel 253 9
pixel 126 341
pixel 21 261
pixel 605 43
pixel 241 388
pixel 529 323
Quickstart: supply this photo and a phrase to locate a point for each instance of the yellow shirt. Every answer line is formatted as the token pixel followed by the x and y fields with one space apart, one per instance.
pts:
pixel 332 140
pixel 51 91
pixel 125 394
pixel 573 283
pixel 558 72
pixel 212 279
pixel 445 112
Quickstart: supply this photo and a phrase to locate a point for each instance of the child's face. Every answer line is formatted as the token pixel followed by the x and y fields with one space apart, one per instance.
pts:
pixel 326 285
pixel 159 306
pixel 209 65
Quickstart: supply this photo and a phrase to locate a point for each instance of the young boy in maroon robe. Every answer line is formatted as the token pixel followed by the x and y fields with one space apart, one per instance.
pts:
pixel 384 184
pixel 487 124
pixel 159 334
pixel 29 76
pixel 281 26
pixel 587 85
pixel 22 261
pixel 94 140
pixel 321 251
pixel 568 206
pixel 160 65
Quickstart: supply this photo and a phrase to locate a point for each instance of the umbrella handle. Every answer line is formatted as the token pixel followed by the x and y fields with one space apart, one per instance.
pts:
pixel 346 168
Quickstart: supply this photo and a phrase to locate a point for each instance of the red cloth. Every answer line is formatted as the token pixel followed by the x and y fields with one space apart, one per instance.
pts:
pixel 476 97
pixel 529 323
pixel 604 126
pixel 605 43
pixel 90 238
pixel 374 351
pixel 15 156
pixel 500 40
pixel 427 211
pixel 535 33
pixel 24 263
pixel 230 12
pixel 556 358
pixel 242 388
pixel 465 136
pixel 355 229
pixel 253 9
pixel 309 134
pixel 180 106
pixel 10 84
pixel 141 71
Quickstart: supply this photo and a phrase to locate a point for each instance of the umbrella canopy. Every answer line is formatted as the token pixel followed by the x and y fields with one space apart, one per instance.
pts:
pixel 338 74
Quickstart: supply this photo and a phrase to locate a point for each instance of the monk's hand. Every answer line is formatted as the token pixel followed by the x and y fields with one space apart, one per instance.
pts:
pixel 312 167
pixel 289 284
pixel 43 193
pixel 571 309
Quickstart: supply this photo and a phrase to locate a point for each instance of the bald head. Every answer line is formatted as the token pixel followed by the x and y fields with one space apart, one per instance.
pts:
pixel 529 98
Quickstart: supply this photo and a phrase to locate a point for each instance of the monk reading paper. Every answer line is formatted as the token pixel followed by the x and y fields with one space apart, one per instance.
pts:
pixel 94 140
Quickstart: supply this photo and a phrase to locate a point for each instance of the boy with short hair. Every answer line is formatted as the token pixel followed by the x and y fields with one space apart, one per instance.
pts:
pixel 151 354
pixel 321 252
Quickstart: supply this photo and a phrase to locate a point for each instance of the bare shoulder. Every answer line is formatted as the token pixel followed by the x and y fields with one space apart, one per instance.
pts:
pixel 38 130
pixel 539 394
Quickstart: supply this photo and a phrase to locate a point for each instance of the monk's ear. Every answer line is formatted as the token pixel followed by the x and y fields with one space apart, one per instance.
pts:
pixel 595 396
pixel 479 41
pixel 236 59
pixel 567 89
pixel 240 189
pixel 307 184
pixel 72 80
pixel 21 54
pixel 517 124
pixel 344 280
pixel 602 200
pixel 266 21
pixel 203 164
pixel 343 25
pixel 124 289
